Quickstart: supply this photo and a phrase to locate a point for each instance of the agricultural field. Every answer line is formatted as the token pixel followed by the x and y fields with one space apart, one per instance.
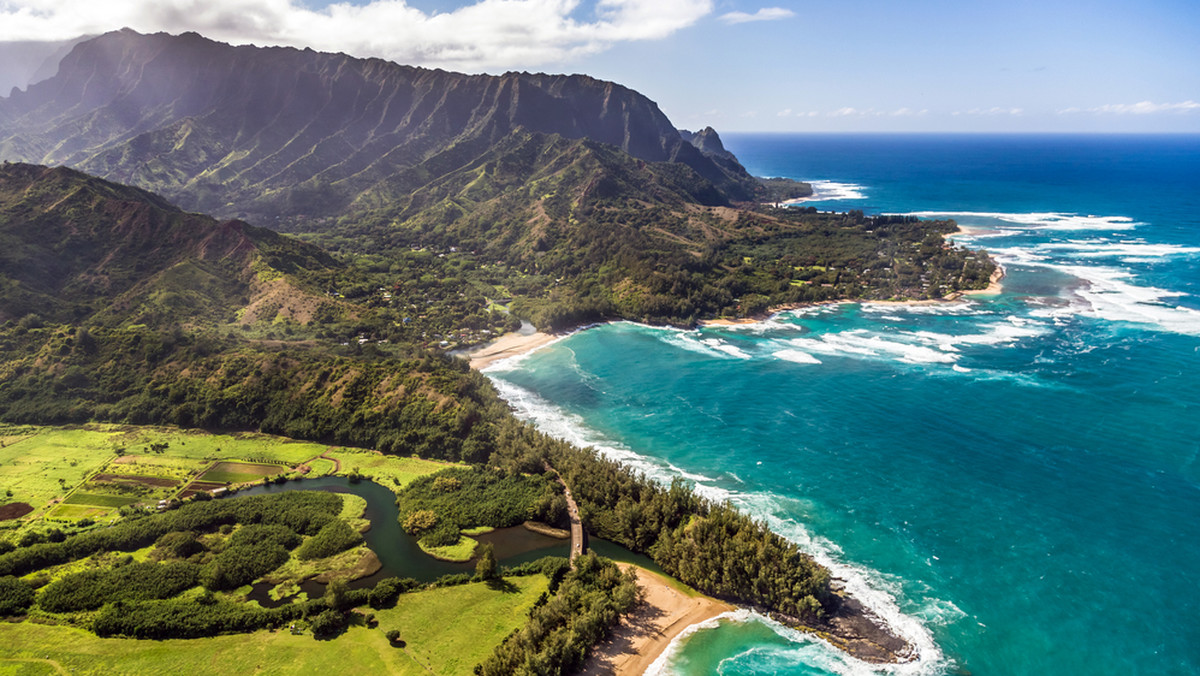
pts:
pixel 91 471
pixel 239 472
pixel 445 631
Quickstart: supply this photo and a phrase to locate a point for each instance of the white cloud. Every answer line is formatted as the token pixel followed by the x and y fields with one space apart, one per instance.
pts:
pixel 764 14
pixel 1142 108
pixel 909 112
pixel 483 35
pixel 991 112
pixel 785 112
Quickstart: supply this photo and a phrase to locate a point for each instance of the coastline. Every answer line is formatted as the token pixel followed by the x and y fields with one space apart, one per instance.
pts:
pixel 646 634
pixel 509 345
pixel 641 637
pixel 995 284
pixel 994 288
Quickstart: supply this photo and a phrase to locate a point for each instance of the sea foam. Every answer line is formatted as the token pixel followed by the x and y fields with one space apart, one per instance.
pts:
pixel 829 191
pixel 1039 220
pixel 877 594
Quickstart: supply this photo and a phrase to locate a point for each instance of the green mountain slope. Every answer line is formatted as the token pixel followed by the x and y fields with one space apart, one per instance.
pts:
pixel 77 248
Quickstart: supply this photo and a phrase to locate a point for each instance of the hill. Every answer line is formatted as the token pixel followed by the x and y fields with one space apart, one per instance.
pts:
pixel 80 249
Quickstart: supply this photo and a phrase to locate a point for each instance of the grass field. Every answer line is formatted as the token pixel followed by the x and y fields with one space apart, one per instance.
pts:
pixel 460 551
pixel 451 630
pixel 80 511
pixel 46 463
pixel 321 467
pixel 240 472
pixel 391 471
pixel 99 500
pixel 447 632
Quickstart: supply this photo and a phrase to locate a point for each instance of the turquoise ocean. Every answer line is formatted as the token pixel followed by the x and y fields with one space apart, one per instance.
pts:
pixel 1011 481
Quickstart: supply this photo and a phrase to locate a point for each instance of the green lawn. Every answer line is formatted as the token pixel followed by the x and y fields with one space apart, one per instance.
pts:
pixel 320 467
pixel 447 632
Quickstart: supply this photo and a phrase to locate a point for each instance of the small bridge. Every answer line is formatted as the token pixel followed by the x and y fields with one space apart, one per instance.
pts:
pixel 578 537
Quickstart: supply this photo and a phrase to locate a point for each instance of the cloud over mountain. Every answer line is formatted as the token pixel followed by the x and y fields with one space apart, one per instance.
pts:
pixel 487 34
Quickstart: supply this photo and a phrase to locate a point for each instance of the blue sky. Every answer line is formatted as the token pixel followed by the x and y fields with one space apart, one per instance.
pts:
pixel 742 65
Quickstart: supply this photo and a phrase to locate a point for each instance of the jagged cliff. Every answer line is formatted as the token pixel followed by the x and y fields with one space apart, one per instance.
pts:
pixel 280 132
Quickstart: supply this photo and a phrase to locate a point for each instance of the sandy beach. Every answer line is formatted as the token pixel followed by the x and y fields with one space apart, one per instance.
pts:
pixel 642 636
pixel 508 345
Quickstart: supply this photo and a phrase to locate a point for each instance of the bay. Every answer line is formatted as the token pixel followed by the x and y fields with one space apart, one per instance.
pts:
pixel 1010 481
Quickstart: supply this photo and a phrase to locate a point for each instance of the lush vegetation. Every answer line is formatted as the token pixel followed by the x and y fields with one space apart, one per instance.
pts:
pixel 589 601
pixel 334 537
pixel 15 596
pixel 300 511
pixel 709 546
pixel 426 405
pixel 132 582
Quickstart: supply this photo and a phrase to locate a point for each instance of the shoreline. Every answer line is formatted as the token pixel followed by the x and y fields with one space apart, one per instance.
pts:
pixel 644 635
pixel 508 345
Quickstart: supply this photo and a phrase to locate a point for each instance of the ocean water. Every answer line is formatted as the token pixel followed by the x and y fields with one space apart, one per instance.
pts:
pixel 1011 481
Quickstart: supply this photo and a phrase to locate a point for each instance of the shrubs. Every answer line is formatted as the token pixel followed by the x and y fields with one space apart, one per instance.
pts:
pixel 389 589
pixel 304 512
pixel 259 534
pixel 136 581
pixel 15 596
pixel 203 616
pixel 239 565
pixel 420 521
pixel 188 619
pixel 328 623
pixel 179 544
pixel 497 499
pixel 336 536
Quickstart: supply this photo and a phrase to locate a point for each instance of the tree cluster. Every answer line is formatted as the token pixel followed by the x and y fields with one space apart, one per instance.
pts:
pixel 132 582
pixel 562 630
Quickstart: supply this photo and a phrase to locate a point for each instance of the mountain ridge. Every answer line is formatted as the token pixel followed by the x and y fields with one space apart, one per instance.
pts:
pixel 220 128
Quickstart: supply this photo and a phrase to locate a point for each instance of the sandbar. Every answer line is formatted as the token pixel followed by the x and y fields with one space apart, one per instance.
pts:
pixel 644 634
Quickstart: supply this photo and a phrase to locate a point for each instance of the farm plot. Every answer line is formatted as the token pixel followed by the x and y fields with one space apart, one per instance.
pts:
pixel 142 488
pixel 99 499
pixel 199 487
pixel 240 472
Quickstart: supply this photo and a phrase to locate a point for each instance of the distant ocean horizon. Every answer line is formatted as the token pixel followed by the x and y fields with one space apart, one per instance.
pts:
pixel 1011 482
